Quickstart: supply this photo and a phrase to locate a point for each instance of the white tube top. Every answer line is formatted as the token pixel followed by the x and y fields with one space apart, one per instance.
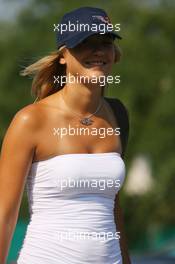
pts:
pixel 71 202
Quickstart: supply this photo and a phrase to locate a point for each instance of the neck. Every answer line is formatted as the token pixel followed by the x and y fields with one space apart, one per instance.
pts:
pixel 81 98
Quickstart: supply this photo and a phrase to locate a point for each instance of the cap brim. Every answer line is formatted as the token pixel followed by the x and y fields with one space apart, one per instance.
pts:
pixel 77 39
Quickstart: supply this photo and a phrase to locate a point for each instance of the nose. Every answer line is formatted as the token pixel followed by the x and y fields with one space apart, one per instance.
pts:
pixel 98 50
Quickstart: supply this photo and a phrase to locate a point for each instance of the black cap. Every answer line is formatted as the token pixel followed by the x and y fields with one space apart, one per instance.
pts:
pixel 81 23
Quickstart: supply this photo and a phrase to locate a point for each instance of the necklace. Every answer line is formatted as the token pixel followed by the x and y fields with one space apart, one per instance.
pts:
pixel 87 120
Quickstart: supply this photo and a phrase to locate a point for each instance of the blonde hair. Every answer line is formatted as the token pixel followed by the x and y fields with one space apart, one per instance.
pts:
pixel 44 70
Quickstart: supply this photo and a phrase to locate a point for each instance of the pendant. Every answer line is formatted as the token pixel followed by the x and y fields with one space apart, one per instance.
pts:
pixel 86 121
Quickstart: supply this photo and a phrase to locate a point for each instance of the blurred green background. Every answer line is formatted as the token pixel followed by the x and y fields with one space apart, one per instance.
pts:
pixel 147 71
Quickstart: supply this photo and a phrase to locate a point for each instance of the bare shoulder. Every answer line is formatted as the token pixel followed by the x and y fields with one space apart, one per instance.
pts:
pixel 30 116
pixel 24 126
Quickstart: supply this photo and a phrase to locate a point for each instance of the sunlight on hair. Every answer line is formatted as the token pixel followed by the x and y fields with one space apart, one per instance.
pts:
pixel 42 72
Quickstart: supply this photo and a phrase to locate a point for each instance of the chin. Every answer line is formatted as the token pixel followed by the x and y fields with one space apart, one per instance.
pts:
pixel 97 73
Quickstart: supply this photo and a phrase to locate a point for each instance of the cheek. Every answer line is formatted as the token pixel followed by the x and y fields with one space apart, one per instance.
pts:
pixel 73 66
pixel 74 62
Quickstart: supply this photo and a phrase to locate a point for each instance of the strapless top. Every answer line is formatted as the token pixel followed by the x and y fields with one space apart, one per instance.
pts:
pixel 71 202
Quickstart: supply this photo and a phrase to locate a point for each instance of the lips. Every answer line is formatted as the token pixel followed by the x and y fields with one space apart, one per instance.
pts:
pixel 95 63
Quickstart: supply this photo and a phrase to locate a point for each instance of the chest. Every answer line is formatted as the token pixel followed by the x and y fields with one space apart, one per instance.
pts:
pixel 69 136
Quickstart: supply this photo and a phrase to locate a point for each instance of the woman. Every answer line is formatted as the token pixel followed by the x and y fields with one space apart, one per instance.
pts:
pixel 39 149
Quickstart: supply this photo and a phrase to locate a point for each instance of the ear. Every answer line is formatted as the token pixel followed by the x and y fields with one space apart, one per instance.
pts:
pixel 61 55
pixel 118 54
pixel 62 60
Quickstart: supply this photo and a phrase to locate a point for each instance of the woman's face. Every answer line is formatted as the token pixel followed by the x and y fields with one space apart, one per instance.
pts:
pixel 92 57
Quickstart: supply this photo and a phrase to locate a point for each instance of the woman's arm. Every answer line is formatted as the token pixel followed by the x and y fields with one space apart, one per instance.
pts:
pixel 15 160
pixel 118 216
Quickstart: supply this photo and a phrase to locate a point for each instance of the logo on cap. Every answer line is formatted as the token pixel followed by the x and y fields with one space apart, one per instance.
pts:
pixel 104 19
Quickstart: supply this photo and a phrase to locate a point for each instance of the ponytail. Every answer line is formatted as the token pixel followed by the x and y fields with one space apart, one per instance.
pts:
pixel 43 72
